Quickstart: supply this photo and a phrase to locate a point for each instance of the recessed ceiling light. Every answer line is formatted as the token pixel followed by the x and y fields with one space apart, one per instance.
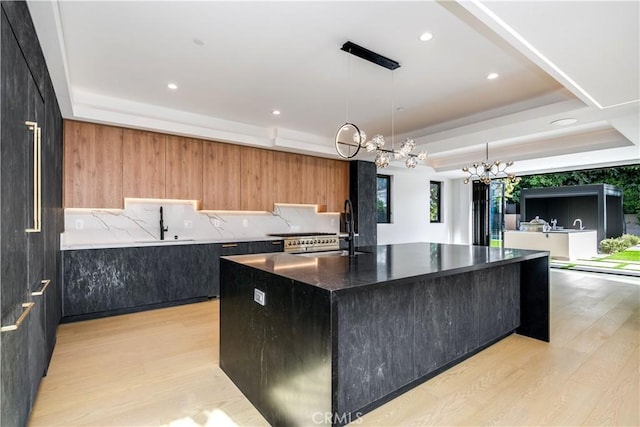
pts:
pixel 492 76
pixel 276 112
pixel 400 109
pixel 425 37
pixel 564 122
pixel 198 42
pixel 172 86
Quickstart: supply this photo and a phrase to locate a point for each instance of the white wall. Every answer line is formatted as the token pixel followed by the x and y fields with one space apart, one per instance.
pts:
pixel 461 212
pixel 410 208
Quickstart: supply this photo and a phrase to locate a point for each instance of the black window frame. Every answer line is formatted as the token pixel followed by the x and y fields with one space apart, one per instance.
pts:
pixel 438 203
pixel 387 214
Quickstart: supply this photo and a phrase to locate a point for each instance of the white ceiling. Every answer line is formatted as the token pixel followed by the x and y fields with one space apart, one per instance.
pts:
pixel 235 62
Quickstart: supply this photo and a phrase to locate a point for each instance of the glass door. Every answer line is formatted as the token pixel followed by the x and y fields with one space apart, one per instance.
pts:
pixel 496 213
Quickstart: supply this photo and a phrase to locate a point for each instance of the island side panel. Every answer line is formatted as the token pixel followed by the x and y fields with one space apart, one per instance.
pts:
pixel 534 298
pixel 279 354
pixel 498 294
pixel 394 336
pixel 373 344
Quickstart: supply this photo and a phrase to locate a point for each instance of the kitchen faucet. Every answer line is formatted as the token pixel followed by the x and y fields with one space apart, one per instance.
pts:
pixel 162 227
pixel 580 221
pixel 348 219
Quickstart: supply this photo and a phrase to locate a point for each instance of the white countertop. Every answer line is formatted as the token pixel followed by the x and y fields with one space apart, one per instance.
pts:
pixel 167 242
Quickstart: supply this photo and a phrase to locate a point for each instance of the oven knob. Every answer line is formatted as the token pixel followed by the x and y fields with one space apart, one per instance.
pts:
pixel 315 242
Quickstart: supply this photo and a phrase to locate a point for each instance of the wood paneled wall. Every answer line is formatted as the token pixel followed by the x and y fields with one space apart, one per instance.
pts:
pixel 105 164
pixel 143 167
pixel 92 165
pixel 184 168
pixel 221 176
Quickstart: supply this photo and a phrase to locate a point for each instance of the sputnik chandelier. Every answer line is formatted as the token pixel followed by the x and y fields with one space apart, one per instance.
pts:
pixel 486 171
pixel 350 138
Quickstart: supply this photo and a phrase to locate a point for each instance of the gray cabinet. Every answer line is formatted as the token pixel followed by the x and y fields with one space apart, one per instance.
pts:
pixel 26 95
pixel 103 282
pixel 100 282
pixel 17 106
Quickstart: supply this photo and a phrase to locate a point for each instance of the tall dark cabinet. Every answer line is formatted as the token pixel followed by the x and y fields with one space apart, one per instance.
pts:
pixel 362 191
pixel 31 217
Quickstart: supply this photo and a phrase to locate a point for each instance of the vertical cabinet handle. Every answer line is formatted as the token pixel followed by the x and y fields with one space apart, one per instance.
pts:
pixel 27 306
pixel 230 245
pixel 45 284
pixel 37 177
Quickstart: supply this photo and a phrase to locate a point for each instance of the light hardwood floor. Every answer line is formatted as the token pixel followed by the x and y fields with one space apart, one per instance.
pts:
pixel 161 368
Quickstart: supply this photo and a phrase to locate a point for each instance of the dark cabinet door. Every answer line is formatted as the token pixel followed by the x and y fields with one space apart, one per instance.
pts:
pixel 52 215
pixel 16 200
pixel 261 247
pixel 234 248
pixel 26 257
pixel 35 247
pixel 207 269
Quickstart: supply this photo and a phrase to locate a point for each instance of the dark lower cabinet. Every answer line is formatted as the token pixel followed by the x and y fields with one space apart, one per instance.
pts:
pixel 103 282
pixel 27 255
pixel 99 282
pixel 16 389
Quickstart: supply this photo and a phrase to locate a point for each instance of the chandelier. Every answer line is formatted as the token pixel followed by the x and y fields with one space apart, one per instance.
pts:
pixel 350 138
pixel 384 155
pixel 486 171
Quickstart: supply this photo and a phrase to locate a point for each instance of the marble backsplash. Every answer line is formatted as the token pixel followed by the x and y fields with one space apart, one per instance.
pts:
pixel 139 223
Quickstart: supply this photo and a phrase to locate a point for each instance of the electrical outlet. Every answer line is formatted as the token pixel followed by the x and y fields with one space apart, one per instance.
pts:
pixel 245 223
pixel 259 296
pixel 188 223
pixel 79 224
pixel 216 223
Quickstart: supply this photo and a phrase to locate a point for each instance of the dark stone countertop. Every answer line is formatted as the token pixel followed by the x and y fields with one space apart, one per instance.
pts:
pixel 384 263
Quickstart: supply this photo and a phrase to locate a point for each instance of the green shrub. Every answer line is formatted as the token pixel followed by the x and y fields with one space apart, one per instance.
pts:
pixel 630 239
pixel 619 244
pixel 611 246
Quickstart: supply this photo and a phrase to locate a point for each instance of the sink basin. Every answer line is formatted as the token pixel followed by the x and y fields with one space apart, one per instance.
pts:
pixel 328 254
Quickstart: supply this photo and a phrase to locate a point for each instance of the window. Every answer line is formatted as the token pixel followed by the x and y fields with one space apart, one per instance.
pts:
pixel 383 200
pixel 435 206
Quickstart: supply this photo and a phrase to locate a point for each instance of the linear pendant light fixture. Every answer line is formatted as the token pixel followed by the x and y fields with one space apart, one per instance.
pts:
pixel 350 137
pixel 364 53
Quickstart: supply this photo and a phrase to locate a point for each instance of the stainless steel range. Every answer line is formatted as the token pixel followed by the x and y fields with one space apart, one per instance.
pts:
pixel 309 242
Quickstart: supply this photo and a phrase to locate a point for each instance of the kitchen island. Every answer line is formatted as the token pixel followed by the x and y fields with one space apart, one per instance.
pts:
pixel 322 338
pixel 563 244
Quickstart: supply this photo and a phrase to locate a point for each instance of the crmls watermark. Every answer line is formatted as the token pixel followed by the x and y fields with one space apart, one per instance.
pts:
pixel 336 418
